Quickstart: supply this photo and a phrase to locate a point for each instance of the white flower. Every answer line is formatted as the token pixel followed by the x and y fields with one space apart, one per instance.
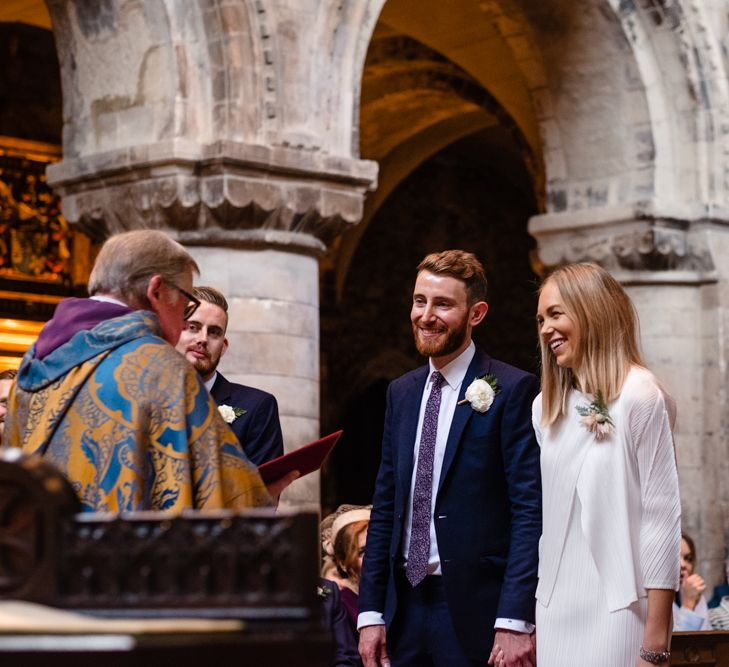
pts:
pixel 480 394
pixel 596 418
pixel 227 413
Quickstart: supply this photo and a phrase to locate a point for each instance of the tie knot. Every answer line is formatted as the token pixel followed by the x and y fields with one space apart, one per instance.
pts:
pixel 437 379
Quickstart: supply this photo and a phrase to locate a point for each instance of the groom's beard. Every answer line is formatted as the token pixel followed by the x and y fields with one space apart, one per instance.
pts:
pixel 443 345
pixel 205 366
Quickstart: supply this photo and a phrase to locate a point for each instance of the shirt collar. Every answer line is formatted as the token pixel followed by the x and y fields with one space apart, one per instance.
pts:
pixel 209 383
pixel 108 299
pixel 456 370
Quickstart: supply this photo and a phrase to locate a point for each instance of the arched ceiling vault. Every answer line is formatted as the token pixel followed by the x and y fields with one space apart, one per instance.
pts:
pixel 414 102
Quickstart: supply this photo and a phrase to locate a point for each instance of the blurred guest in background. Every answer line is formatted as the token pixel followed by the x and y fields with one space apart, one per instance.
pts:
pixel 719 614
pixel 345 652
pixel 344 548
pixel 690 611
pixel 6 382
pixel 722 590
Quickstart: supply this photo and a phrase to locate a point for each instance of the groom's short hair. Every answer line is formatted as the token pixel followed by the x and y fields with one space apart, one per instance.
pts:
pixel 461 265
pixel 211 295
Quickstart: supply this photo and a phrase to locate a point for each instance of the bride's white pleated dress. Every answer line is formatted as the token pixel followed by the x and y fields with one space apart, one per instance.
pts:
pixel 611 527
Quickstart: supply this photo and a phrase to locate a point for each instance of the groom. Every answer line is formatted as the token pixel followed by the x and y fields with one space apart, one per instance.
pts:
pixel 450 565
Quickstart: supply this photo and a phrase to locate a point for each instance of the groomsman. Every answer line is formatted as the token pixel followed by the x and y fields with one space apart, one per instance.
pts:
pixel 252 414
pixel 450 565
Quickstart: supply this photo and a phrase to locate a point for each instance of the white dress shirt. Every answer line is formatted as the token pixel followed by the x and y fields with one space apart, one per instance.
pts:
pixel 211 381
pixel 453 373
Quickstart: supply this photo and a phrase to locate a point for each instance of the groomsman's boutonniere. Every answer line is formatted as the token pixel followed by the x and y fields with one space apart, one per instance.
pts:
pixel 596 418
pixel 323 591
pixel 229 413
pixel 481 393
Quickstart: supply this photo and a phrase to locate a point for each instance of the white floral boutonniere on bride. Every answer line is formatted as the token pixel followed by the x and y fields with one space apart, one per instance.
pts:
pixel 481 393
pixel 230 413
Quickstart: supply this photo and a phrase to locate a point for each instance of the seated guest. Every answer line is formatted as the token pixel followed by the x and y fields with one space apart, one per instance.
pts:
pixel 252 414
pixel 690 611
pixel 719 615
pixel 345 548
pixel 722 590
pixel 345 651
pixel 104 396
pixel 6 381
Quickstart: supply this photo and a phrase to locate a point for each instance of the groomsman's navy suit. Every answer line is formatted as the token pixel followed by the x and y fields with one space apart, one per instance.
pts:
pixel 258 430
pixel 488 506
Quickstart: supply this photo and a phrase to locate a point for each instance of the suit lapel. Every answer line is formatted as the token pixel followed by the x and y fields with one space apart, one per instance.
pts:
pixel 480 365
pixel 221 390
pixel 409 427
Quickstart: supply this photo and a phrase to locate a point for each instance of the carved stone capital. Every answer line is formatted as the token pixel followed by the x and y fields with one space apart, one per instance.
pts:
pixel 225 190
pixel 639 243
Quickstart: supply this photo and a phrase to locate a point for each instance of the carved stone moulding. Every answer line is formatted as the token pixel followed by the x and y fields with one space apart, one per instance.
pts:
pixel 230 192
pixel 638 243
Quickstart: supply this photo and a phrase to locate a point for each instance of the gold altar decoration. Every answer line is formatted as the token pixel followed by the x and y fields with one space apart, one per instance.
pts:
pixel 42 259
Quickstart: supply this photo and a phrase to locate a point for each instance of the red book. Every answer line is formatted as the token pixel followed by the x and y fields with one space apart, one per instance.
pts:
pixel 305 459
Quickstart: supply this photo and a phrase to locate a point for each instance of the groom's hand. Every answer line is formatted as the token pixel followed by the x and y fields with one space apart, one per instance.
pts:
pixel 372 646
pixel 517 649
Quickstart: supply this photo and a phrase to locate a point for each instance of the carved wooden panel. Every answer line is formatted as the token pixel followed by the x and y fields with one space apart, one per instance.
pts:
pixel 254 565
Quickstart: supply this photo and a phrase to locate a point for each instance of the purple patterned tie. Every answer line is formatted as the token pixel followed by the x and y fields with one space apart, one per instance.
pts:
pixel 419 549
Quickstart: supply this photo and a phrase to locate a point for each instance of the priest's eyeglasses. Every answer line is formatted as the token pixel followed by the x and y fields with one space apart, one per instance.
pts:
pixel 193 302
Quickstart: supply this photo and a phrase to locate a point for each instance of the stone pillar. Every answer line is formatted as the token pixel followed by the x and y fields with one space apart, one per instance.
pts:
pixel 667 264
pixel 273 332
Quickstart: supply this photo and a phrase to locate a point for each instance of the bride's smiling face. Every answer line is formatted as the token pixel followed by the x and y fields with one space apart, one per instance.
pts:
pixel 558 330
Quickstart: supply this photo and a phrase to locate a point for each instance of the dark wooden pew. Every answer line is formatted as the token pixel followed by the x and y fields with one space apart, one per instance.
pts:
pixel 259 567
pixel 700 649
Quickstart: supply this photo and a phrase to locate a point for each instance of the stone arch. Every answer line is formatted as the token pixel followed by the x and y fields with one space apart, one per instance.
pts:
pixel 641 121
pixel 415 101
pixel 686 90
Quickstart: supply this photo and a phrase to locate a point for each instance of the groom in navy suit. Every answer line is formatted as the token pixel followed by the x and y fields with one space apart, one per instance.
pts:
pixel 450 565
pixel 252 413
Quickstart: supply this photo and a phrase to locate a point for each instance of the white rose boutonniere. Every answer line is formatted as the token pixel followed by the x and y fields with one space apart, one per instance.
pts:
pixel 229 413
pixel 481 393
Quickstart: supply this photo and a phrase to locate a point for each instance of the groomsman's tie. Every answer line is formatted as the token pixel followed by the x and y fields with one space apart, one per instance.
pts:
pixel 419 549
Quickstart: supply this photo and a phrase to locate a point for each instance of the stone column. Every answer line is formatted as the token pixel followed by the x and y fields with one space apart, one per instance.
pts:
pixel 273 331
pixel 670 263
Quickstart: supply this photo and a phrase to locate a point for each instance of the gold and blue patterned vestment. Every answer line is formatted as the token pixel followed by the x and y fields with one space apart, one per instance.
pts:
pixel 129 422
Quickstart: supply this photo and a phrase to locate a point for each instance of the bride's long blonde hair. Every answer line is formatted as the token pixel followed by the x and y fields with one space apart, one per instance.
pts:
pixel 607 343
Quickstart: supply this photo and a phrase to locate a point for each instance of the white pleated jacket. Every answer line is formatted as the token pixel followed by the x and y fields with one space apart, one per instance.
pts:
pixel 627 486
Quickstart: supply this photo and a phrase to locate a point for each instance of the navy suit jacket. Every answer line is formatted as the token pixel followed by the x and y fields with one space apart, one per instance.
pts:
pixel 336 621
pixel 258 430
pixel 488 516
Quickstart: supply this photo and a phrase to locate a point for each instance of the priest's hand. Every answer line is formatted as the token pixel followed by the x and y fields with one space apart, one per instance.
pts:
pixel 276 488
